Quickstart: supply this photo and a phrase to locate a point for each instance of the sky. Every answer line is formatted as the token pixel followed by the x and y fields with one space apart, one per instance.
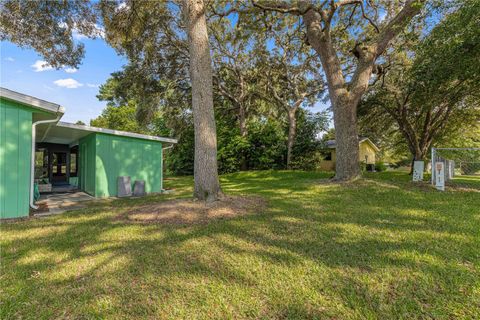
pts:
pixel 23 70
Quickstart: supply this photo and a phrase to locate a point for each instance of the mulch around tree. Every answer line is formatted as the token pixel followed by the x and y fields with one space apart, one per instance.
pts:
pixel 190 211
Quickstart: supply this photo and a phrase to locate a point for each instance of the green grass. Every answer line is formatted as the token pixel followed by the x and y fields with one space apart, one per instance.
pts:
pixel 378 248
pixel 466 181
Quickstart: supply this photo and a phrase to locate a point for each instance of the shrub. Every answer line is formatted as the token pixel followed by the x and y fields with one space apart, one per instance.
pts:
pixel 380 166
pixel 363 166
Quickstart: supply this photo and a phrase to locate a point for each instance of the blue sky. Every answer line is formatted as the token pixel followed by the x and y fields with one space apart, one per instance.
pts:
pixel 73 89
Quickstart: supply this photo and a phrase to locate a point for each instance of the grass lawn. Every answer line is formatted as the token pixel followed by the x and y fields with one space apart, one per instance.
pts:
pixel 377 248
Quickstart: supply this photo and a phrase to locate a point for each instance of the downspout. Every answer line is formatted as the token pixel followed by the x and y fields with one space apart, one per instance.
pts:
pixel 166 148
pixel 32 162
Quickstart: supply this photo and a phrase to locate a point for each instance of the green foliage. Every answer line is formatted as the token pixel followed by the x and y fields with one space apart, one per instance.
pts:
pixel 268 148
pixel 119 118
pixel 48 28
pixel 179 159
pixel 307 147
pixel 470 168
pixel 380 166
pixel 363 166
pixel 429 94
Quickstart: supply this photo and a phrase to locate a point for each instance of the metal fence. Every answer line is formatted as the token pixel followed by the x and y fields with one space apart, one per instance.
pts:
pixel 461 166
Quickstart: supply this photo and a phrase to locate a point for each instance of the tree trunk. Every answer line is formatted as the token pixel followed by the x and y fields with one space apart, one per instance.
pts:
pixel 207 185
pixel 242 120
pixel 346 136
pixel 292 130
pixel 344 105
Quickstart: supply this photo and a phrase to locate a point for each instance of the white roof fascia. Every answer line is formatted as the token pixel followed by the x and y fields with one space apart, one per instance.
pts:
pixel 115 132
pixel 31 101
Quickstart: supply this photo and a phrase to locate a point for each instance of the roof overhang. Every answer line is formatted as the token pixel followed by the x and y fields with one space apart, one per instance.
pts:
pixel 70 133
pixel 370 143
pixel 46 110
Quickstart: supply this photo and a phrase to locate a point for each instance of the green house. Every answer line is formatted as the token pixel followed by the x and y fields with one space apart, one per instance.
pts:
pixel 37 148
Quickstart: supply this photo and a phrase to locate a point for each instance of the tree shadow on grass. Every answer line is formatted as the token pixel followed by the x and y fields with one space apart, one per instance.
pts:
pixel 318 251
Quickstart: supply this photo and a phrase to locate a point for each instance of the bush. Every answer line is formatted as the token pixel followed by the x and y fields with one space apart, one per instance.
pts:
pixel 363 166
pixel 308 162
pixel 380 166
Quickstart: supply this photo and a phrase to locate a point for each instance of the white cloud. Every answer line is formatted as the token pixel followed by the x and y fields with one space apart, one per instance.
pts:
pixel 70 70
pixel 68 83
pixel 98 31
pixel 92 85
pixel 121 6
pixel 40 66
pixel 78 36
pixel 9 59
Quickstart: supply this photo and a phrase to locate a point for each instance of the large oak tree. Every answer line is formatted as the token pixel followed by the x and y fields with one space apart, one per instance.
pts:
pixel 366 29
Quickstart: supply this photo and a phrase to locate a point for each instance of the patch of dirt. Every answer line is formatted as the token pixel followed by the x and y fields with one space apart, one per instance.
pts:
pixel 189 211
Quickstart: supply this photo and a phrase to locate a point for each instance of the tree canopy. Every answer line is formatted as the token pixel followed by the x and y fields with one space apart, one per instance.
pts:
pixel 430 90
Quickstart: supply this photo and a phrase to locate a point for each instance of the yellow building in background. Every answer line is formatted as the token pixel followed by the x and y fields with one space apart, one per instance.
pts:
pixel 367 155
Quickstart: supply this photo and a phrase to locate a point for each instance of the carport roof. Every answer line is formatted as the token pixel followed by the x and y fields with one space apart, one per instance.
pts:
pixel 69 133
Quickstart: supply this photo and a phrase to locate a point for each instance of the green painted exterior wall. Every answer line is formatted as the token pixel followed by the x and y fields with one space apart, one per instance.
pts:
pixel 86 175
pixel 104 157
pixel 123 156
pixel 15 157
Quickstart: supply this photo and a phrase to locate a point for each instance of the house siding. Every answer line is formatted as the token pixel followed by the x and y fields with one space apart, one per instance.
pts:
pixel 15 157
pixel 367 153
pixel 123 156
pixel 365 150
pixel 87 156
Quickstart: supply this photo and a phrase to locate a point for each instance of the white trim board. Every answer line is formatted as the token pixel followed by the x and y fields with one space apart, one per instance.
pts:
pixel 114 132
pixel 31 101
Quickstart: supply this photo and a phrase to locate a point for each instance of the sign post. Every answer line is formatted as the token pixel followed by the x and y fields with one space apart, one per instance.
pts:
pixel 440 176
pixel 418 167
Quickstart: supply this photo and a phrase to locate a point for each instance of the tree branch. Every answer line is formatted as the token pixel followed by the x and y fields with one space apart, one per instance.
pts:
pixel 283 6
pixel 396 25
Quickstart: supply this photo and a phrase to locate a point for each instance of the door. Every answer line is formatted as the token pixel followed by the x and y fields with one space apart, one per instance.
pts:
pixel 59 167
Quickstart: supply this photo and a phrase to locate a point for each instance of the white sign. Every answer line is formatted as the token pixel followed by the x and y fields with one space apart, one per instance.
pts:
pixel 418 167
pixel 440 176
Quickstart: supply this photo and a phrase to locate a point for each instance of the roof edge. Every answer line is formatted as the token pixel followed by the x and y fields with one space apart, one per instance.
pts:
pixel 31 101
pixel 371 143
pixel 115 132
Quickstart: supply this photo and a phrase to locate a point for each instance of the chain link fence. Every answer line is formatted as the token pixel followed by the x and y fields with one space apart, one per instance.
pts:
pixel 461 166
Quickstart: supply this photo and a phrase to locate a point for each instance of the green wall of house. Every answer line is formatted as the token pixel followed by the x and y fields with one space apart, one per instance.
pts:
pixel 15 156
pixel 104 157
pixel 87 151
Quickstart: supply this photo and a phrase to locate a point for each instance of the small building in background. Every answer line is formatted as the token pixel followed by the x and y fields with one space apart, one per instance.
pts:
pixel 367 154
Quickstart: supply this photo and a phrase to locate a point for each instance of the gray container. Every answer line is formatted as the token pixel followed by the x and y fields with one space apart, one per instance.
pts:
pixel 139 188
pixel 124 187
